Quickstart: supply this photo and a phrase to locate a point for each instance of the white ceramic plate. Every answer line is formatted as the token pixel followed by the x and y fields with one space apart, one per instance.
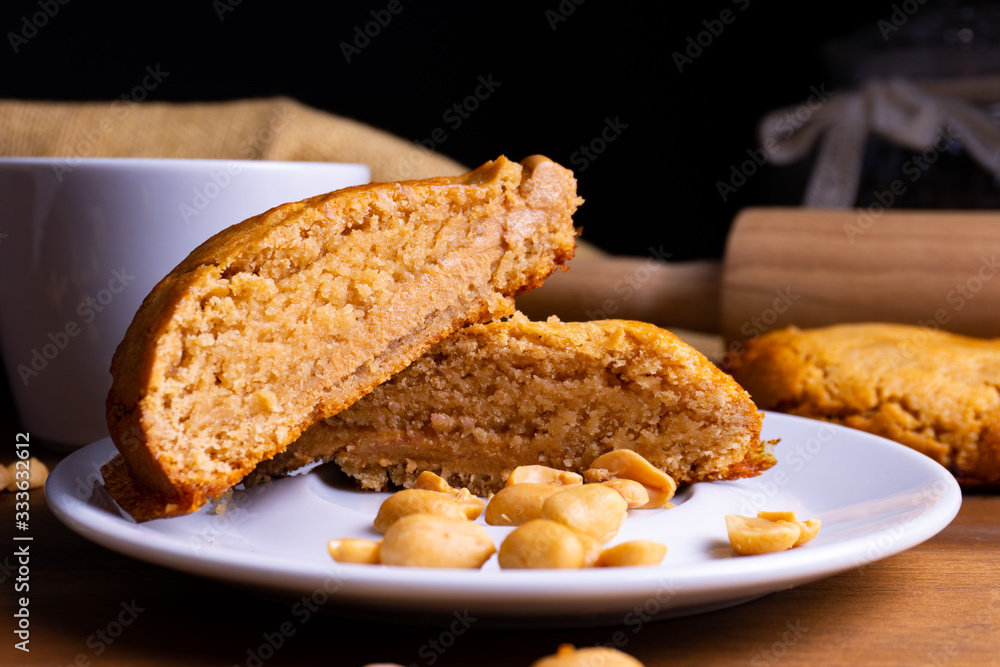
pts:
pixel 875 498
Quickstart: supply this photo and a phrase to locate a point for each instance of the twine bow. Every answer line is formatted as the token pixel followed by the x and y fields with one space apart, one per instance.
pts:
pixel 916 117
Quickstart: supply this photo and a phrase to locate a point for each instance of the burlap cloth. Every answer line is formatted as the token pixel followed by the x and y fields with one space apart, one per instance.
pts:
pixel 252 129
pixel 275 128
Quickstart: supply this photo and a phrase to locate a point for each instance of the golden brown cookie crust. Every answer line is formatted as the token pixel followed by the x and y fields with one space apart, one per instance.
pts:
pixel 294 314
pixel 934 391
pixel 495 396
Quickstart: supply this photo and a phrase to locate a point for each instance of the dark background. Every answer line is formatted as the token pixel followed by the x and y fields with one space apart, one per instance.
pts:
pixel 566 72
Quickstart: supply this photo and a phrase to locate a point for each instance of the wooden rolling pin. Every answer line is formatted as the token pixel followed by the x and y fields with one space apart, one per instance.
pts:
pixel 804 267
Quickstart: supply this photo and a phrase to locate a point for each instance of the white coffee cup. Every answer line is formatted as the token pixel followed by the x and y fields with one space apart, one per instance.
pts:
pixel 83 241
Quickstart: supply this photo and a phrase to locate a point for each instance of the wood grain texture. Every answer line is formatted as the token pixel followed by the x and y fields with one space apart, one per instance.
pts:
pixel 664 293
pixel 812 268
pixel 936 604
pixel 807 267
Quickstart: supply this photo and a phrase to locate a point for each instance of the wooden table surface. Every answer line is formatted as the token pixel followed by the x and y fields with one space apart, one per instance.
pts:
pixel 936 604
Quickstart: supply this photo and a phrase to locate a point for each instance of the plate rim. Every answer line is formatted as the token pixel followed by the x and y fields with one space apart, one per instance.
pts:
pixel 378 586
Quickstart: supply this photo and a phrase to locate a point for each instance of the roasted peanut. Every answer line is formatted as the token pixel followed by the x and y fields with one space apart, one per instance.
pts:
pixel 592 509
pixel 537 474
pixel 753 535
pixel 37 473
pixel 433 482
pixel 634 493
pixel 592 549
pixel 422 501
pixel 808 529
pixel 591 656
pixel 430 540
pixel 354 550
pixel 518 504
pixel 633 554
pixel 541 543
pixel 627 464
pixel 430 481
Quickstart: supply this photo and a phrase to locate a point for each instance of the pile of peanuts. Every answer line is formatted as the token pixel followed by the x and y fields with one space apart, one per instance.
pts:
pixel 560 521
pixel 23 475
